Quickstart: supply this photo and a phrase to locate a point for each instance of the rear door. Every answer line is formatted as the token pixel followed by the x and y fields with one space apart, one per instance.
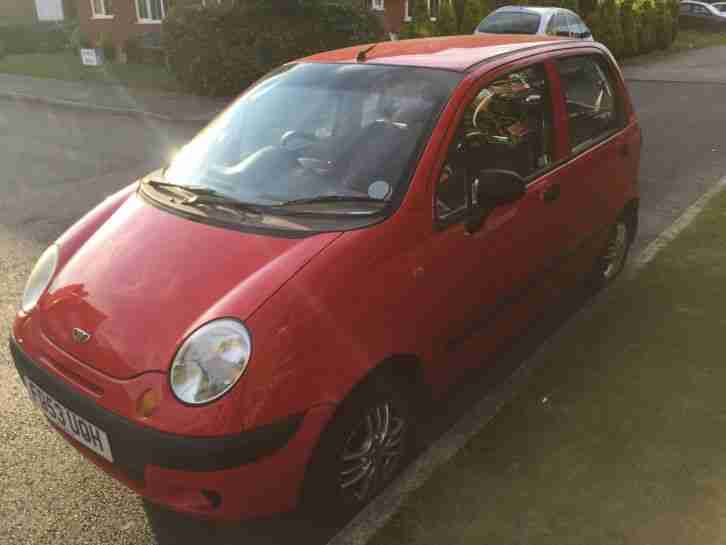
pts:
pixel 599 168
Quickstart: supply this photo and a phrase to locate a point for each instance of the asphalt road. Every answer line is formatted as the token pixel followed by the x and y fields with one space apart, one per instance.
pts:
pixel 57 163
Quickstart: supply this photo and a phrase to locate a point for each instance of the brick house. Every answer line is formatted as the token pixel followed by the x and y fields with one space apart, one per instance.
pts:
pixel 394 13
pixel 122 19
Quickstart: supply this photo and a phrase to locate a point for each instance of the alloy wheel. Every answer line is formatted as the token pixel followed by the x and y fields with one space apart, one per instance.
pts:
pixel 617 250
pixel 372 453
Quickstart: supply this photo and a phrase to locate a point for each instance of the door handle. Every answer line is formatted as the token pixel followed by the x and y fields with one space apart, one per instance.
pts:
pixel 552 193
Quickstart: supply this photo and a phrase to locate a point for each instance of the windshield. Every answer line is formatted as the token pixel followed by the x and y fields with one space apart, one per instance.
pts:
pixel 510 22
pixel 318 137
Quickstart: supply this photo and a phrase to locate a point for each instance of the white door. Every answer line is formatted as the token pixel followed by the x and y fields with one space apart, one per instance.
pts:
pixel 49 10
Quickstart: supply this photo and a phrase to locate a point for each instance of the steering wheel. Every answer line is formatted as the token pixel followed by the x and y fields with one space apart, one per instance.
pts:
pixel 295 140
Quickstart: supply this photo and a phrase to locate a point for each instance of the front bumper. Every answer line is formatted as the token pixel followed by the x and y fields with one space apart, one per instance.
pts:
pixel 225 477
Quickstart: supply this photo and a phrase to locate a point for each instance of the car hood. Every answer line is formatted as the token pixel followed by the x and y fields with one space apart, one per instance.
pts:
pixel 146 278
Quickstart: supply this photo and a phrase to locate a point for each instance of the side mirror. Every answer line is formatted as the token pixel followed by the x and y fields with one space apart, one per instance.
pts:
pixel 492 188
pixel 586 34
pixel 495 187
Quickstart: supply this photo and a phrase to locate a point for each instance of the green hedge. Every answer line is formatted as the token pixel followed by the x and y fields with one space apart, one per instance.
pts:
pixel 35 38
pixel 221 50
pixel 626 27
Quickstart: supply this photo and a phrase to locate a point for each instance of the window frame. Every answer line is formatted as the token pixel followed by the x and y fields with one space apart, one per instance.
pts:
pixel 378 5
pixel 149 21
pixel 482 83
pixel 106 12
pixel 621 113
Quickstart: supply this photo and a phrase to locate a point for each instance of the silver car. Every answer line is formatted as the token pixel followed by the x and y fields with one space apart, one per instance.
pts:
pixel 534 20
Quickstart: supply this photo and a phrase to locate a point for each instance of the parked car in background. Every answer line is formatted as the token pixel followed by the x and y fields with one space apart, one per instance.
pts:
pixel 702 15
pixel 259 324
pixel 534 20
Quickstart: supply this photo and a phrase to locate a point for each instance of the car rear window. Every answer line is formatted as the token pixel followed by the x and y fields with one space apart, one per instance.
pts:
pixel 510 22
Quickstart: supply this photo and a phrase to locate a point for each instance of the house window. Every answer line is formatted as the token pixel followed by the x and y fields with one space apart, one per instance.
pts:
pixel 150 11
pixel 102 8
pixel 378 5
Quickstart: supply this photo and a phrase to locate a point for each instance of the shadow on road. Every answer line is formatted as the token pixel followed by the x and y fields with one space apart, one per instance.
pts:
pixel 173 529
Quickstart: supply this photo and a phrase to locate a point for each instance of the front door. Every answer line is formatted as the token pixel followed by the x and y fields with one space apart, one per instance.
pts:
pixel 482 286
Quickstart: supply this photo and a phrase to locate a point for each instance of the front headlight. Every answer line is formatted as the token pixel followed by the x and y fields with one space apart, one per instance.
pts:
pixel 39 278
pixel 210 361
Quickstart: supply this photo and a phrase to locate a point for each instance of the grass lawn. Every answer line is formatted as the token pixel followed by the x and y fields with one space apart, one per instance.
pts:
pixel 67 66
pixel 619 435
pixel 685 41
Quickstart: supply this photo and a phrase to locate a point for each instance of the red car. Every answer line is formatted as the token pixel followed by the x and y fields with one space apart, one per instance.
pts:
pixel 255 326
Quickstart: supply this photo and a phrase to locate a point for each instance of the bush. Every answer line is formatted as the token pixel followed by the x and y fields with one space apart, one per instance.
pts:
pixel 608 28
pixel 35 38
pixel 647 19
pixel 664 27
pixel 2 50
pixel 105 42
pixel 473 14
pixel 446 21
pixel 221 50
pixel 630 29
pixel 674 7
pixel 145 49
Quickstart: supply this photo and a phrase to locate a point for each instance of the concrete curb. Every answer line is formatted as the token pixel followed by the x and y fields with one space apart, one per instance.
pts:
pixel 199 120
pixel 374 516
pixel 684 220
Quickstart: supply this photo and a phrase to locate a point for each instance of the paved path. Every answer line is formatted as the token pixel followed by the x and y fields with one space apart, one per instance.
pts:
pixel 111 98
pixel 59 162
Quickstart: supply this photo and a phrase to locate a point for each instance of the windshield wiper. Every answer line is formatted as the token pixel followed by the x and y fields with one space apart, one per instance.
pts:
pixel 189 189
pixel 198 194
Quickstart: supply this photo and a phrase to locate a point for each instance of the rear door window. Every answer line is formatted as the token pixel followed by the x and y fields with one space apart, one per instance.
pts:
pixel 594 110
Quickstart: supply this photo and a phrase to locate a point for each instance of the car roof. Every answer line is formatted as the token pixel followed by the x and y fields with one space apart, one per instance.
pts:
pixel 457 53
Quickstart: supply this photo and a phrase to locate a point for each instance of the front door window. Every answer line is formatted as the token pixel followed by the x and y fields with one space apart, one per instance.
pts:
pixel 507 126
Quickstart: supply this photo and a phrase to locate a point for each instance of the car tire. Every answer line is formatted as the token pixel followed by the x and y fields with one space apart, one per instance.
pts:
pixel 368 442
pixel 611 261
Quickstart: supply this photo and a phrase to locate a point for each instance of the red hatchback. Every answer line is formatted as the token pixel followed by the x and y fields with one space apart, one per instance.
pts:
pixel 255 325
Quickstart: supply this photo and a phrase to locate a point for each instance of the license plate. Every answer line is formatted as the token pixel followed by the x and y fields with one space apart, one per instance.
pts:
pixel 79 428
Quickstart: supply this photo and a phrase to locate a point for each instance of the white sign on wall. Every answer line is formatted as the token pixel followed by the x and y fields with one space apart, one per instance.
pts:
pixel 92 57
